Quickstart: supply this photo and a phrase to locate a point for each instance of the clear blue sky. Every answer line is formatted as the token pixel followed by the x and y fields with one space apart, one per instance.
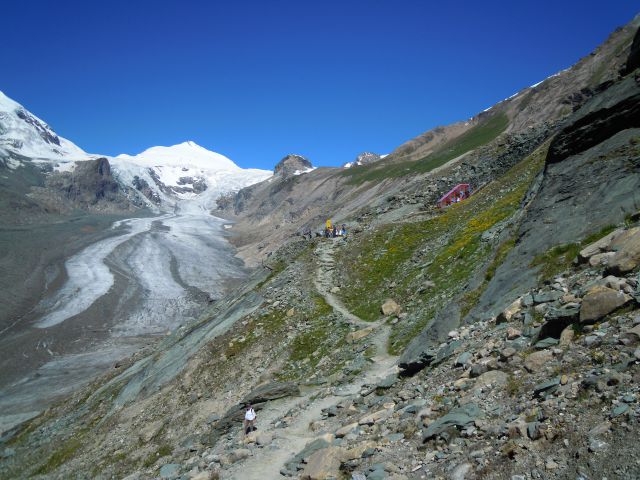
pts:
pixel 257 80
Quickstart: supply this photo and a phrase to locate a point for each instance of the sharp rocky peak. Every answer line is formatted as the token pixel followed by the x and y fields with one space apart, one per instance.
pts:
pixel 292 165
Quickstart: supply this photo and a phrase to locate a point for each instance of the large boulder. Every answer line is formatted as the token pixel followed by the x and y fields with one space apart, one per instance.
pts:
pixel 323 464
pixel 600 301
pixel 537 360
pixel 390 307
pixel 492 378
pixel 271 391
pixel 627 252
pixel 600 246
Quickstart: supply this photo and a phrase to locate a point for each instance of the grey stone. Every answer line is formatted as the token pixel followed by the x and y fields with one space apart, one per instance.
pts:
pixel 619 409
pixel 478 369
pixel 533 430
pixel 600 429
pixel 271 391
pixel 546 297
pixel 446 352
pixel 597 445
pixel 462 471
pixel 377 475
pixel 463 359
pixel 458 417
pixel 546 343
pixel 395 437
pixel 213 418
pixel 592 341
pixel 546 387
pixel 306 452
pixel 387 382
pixel 169 471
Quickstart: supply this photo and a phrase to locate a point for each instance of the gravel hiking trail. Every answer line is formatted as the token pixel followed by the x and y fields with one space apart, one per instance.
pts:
pixel 300 411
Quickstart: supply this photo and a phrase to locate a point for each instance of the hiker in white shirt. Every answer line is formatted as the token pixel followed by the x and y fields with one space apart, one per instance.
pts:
pixel 249 419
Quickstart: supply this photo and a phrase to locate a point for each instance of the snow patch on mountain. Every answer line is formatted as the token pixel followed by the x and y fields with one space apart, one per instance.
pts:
pixel 363 159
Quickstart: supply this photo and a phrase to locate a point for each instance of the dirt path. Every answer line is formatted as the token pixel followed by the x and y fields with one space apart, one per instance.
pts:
pixel 267 462
pixel 325 272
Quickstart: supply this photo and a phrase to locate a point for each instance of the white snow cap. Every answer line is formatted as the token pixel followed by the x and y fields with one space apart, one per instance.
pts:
pixel 25 134
pixel 188 154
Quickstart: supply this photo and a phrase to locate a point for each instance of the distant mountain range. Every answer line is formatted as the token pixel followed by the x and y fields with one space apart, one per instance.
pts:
pixel 158 177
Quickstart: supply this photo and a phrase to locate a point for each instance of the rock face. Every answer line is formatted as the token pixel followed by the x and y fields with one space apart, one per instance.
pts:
pixel 597 142
pixel 292 165
pixel 616 109
pixel 633 61
pixel 422 350
pixel 90 186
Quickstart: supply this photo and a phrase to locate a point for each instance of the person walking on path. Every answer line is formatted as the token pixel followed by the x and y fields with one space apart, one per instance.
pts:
pixel 249 419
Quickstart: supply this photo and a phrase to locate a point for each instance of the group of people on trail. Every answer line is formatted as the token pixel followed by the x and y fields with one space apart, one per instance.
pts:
pixel 333 231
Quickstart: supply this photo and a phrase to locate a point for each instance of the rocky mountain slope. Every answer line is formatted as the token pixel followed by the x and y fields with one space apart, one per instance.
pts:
pixel 413 176
pixel 497 338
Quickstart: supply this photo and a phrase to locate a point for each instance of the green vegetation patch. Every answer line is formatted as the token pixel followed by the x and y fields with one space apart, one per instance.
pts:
pixel 319 339
pixel 61 456
pixel 162 451
pixel 560 258
pixel 276 269
pixel 475 137
pixel 269 325
pixel 446 250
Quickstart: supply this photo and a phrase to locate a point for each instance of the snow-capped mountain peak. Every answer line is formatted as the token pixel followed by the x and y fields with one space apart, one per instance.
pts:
pixel 24 134
pixel 184 171
pixel 185 154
